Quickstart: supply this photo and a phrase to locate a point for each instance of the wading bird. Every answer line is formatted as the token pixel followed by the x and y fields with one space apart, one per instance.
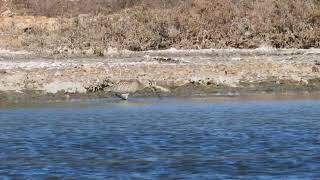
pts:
pixel 123 89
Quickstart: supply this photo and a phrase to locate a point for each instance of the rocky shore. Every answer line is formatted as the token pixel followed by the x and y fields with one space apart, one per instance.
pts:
pixel 228 72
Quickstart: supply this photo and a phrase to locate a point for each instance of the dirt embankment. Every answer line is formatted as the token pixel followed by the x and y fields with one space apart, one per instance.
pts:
pixel 88 50
pixel 172 72
pixel 74 27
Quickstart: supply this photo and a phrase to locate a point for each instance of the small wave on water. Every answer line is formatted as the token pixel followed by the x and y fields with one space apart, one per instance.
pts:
pixel 148 138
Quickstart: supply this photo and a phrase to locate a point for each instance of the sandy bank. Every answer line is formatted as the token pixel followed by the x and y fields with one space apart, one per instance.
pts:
pixel 173 72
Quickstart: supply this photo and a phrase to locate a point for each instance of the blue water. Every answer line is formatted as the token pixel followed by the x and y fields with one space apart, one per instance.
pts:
pixel 161 139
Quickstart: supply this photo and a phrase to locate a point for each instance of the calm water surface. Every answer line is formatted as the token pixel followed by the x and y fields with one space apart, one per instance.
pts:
pixel 161 139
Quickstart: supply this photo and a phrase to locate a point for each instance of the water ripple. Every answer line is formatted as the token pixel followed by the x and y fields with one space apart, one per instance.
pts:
pixel 165 140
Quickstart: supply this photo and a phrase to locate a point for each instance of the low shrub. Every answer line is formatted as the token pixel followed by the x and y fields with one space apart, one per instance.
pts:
pixel 159 24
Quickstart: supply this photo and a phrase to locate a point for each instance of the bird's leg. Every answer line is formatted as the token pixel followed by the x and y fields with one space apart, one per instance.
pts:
pixel 155 91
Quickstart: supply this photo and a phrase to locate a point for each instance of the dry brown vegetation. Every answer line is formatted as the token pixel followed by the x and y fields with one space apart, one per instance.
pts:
pixel 160 24
pixel 69 8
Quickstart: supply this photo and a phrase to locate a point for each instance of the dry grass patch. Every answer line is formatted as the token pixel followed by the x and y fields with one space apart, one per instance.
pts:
pixel 160 24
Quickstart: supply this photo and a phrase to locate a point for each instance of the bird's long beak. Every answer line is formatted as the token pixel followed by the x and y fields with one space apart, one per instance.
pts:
pixel 154 90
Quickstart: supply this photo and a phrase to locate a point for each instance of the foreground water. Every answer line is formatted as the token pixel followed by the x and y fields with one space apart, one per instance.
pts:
pixel 165 139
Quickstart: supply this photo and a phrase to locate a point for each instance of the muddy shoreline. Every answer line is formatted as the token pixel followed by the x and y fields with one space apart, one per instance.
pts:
pixel 175 73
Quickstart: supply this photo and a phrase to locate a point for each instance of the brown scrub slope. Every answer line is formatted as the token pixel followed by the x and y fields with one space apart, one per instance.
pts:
pixel 90 27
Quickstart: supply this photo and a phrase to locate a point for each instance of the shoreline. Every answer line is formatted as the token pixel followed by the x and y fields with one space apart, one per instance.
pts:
pixel 48 101
pixel 175 73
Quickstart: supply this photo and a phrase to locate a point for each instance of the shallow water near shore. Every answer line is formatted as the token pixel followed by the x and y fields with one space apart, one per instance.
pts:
pixel 170 138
